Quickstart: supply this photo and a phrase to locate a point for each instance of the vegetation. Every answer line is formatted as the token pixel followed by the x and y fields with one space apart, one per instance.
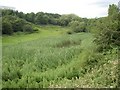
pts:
pixel 108 37
pixel 13 24
pixel 7 28
pixel 78 26
pixel 45 50
pixel 19 20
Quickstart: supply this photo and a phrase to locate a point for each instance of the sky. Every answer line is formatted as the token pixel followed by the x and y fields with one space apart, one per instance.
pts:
pixel 82 8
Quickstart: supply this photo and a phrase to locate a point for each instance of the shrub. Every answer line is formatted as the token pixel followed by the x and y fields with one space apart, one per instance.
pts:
pixel 77 26
pixel 7 28
pixel 27 28
pixel 18 25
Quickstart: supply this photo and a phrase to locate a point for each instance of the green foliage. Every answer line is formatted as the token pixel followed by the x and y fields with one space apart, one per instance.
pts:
pixel 64 20
pixel 38 18
pixel 27 28
pixel 109 31
pixel 37 63
pixel 18 25
pixel 34 61
pixel 77 26
pixel 94 73
pixel 113 10
pixel 8 12
pixel 7 28
pixel 41 18
pixel 20 14
pixel 14 24
pixel 30 17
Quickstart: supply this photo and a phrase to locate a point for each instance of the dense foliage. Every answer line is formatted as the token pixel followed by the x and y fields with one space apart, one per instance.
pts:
pixel 19 19
pixel 7 28
pixel 12 24
pixel 109 29
pixel 78 26
pixel 51 58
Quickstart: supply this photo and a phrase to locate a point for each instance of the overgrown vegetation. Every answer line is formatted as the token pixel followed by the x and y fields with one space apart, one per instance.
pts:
pixel 17 21
pixel 42 56
pixel 71 52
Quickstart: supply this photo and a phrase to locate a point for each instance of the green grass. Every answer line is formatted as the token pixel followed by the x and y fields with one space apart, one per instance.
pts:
pixel 52 58
pixel 44 31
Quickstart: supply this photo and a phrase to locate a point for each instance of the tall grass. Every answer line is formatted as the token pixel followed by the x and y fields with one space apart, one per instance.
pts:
pixel 58 61
pixel 104 74
pixel 31 60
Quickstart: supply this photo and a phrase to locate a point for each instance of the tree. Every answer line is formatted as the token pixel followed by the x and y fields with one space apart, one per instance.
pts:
pixel 30 17
pixel 27 28
pixel 8 12
pixel 77 26
pixel 113 10
pixel 109 30
pixel 41 18
pixel 18 25
pixel 64 20
pixel 21 15
pixel 7 28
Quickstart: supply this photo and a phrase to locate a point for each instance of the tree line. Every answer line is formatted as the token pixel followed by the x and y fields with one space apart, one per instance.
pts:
pixel 106 29
pixel 14 21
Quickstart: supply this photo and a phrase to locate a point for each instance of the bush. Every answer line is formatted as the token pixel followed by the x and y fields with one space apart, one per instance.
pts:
pixel 27 28
pixel 77 26
pixel 18 25
pixel 7 28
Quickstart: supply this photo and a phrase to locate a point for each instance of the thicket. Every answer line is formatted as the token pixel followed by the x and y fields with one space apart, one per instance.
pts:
pixel 11 24
pixel 19 19
pixel 108 33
